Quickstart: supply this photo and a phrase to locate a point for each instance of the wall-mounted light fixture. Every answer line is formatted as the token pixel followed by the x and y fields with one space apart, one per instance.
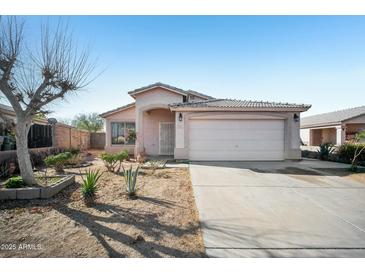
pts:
pixel 180 117
pixel 296 117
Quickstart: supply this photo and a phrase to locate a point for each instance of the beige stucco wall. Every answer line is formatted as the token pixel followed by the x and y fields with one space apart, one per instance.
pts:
pixel 127 115
pixel 355 127
pixel 292 129
pixel 69 137
pixel 151 125
pixel 305 135
pixel 335 134
pixel 157 98
pixel 320 135
pixel 151 108
pixel 329 135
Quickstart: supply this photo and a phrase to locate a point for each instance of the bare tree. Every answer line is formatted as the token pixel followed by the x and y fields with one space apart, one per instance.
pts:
pixel 32 77
pixel 358 149
pixel 8 123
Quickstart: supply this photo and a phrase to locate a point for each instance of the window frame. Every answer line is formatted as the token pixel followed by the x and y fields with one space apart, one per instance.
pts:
pixel 125 134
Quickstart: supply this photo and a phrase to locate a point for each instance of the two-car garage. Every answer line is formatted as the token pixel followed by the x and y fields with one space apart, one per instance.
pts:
pixel 237 130
pixel 236 139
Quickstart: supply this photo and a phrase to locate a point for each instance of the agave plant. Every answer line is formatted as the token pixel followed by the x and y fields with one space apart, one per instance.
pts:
pixel 130 177
pixel 325 151
pixel 90 184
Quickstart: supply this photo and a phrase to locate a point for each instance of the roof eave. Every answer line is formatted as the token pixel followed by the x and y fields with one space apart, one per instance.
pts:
pixel 134 93
pixel 244 109
pixel 200 95
pixel 111 112
pixel 353 117
pixel 8 112
pixel 330 124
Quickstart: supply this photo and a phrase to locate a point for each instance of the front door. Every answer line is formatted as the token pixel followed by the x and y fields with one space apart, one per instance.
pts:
pixel 167 138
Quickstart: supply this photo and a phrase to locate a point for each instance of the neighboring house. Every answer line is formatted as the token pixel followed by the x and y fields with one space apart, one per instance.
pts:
pixel 195 126
pixel 333 127
pixel 40 133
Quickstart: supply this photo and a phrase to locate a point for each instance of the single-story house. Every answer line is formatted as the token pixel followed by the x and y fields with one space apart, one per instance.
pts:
pixel 335 127
pixel 190 125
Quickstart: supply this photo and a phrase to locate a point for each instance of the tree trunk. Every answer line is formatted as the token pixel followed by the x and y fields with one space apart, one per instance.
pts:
pixel 25 165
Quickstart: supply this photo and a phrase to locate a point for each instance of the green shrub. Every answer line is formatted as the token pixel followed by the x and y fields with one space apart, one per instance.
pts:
pixel 75 160
pixel 58 161
pixel 121 156
pixel 90 184
pixel 111 160
pixel 74 151
pixel 15 182
pixel 132 136
pixel 130 178
pixel 325 150
pixel 346 152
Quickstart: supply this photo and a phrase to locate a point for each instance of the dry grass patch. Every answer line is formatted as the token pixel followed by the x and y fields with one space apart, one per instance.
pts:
pixel 162 222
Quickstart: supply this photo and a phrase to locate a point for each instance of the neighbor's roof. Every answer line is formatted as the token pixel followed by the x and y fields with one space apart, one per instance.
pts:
pixel 332 118
pixel 171 88
pixel 110 112
pixel 7 108
pixel 239 105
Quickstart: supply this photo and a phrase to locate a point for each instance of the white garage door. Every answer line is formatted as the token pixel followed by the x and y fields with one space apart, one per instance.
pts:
pixel 236 140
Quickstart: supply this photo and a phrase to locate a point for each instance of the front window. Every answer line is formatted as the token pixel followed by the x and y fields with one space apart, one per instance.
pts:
pixel 123 133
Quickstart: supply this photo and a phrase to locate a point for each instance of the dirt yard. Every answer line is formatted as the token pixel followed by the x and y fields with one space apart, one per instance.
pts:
pixel 356 176
pixel 162 222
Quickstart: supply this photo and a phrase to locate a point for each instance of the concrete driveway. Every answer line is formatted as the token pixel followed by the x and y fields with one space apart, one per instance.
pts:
pixel 279 209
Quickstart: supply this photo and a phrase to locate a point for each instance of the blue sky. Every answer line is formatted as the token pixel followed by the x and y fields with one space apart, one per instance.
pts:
pixel 299 59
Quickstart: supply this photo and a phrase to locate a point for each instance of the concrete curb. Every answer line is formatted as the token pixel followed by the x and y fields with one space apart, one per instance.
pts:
pixel 48 192
pixel 37 192
pixel 8 194
pixel 28 193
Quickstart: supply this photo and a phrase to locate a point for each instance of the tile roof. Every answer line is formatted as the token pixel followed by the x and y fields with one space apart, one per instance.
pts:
pixel 179 90
pixel 330 118
pixel 232 103
pixel 105 114
pixel 193 92
pixel 10 112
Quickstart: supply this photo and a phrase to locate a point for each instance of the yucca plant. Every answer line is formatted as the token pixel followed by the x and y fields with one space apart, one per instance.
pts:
pixel 130 177
pixel 90 184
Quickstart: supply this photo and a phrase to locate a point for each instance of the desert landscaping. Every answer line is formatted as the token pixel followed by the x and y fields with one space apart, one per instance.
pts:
pixel 161 222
